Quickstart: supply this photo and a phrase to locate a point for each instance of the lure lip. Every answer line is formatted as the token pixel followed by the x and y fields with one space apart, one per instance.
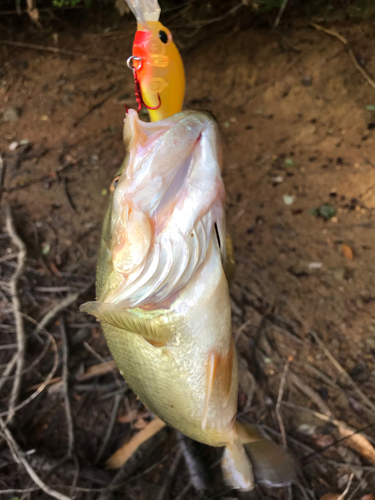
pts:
pixel 144 11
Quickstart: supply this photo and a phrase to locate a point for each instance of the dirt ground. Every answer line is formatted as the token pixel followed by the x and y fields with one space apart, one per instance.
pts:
pixel 298 123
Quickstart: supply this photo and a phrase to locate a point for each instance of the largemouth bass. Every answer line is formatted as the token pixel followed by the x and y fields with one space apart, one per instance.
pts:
pixel 162 294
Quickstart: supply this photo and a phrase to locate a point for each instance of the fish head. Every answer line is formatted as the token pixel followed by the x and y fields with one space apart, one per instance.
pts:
pixel 166 206
pixel 157 62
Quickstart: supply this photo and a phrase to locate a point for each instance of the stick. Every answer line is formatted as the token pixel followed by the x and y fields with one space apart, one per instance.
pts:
pixel 241 329
pixel 184 491
pixel 91 372
pixel 8 370
pixel 111 424
pixel 344 41
pixel 65 375
pixel 343 372
pixel 123 454
pixel 343 494
pixel 69 300
pixel 311 394
pixel 65 52
pixel 18 453
pixel 281 11
pixel 21 339
pixel 279 399
pixel 171 473
pixel 193 464
pixel 2 175
pixel 40 387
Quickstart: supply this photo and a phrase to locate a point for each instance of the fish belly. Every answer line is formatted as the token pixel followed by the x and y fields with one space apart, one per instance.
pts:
pixel 172 380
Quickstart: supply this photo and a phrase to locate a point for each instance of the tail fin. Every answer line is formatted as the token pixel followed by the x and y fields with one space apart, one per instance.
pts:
pixel 253 458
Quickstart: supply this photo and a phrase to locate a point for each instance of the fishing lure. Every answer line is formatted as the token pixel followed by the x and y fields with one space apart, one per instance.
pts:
pixel 156 63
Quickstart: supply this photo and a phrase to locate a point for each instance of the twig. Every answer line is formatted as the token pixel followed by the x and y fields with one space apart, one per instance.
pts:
pixel 111 424
pixel 123 454
pixel 343 372
pixel 281 11
pixel 344 41
pixel 92 351
pixel 129 467
pixel 63 304
pixel 171 473
pixel 68 196
pixel 360 485
pixel 343 494
pixel 41 387
pixel 278 403
pixel 33 364
pixel 184 491
pixel 230 12
pixel 2 175
pixel 193 464
pixel 8 370
pixel 55 50
pixel 241 329
pixel 65 375
pixel 361 446
pixel 21 339
pixel 18 453
pixel 99 104
pixel 311 394
pixel 91 372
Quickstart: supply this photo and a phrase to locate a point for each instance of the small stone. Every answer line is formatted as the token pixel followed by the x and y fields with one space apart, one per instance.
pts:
pixel 11 114
pixel 339 273
pixel 288 200
pixel 315 265
pixel 277 179
pixel 94 159
pixel 307 81
pixel 13 146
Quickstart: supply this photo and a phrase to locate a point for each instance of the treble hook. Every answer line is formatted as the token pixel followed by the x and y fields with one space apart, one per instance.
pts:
pixel 138 91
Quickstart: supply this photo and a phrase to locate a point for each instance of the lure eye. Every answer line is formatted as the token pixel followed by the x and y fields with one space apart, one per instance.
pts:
pixel 114 183
pixel 163 36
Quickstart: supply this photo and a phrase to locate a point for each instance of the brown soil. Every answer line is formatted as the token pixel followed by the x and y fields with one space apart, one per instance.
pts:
pixel 295 128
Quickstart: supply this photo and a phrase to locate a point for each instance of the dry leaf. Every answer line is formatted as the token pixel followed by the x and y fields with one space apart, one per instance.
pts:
pixel 368 497
pixel 330 496
pixel 358 443
pixel 347 252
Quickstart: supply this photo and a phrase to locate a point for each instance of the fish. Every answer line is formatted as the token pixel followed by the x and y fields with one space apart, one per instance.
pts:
pixel 162 294
pixel 165 259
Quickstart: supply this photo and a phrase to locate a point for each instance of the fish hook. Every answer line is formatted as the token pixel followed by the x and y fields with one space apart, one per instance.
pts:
pixel 137 91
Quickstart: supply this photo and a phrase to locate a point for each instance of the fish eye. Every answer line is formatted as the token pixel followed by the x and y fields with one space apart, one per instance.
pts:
pixel 114 183
pixel 163 36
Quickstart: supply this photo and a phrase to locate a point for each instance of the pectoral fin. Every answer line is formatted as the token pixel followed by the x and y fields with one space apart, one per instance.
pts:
pixel 154 331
